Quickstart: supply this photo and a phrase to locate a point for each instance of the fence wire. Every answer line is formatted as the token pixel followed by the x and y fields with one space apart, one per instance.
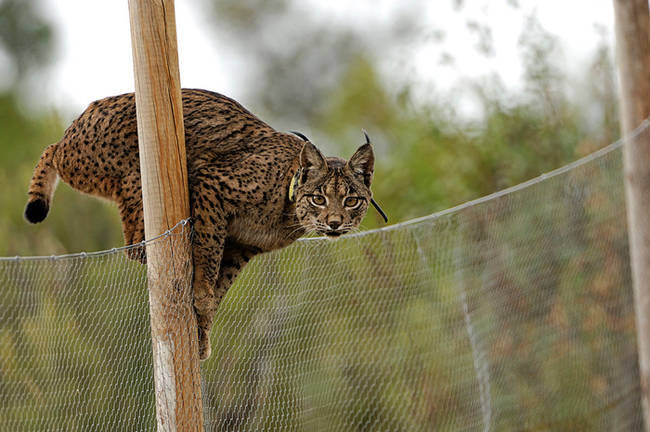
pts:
pixel 513 313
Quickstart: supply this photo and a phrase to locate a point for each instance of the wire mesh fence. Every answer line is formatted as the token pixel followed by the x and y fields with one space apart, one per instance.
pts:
pixel 514 312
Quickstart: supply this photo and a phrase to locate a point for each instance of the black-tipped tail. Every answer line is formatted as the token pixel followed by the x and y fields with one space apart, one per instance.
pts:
pixel 36 210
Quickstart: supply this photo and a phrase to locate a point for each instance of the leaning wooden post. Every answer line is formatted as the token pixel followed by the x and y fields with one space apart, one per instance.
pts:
pixel 633 57
pixel 165 197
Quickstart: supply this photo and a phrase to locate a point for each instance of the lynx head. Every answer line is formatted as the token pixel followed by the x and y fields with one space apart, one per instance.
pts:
pixel 332 195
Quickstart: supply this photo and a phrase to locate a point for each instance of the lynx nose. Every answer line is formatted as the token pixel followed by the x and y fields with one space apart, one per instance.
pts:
pixel 334 223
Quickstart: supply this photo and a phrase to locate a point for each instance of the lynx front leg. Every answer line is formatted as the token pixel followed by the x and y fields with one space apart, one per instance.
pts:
pixel 234 258
pixel 207 251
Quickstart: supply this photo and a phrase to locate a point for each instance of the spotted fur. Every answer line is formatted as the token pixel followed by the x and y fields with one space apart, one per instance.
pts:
pixel 239 171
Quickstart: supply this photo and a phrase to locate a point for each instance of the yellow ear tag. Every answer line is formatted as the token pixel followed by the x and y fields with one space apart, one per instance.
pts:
pixel 293 185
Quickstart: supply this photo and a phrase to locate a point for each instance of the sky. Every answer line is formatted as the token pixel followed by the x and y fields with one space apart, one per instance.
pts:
pixel 94 52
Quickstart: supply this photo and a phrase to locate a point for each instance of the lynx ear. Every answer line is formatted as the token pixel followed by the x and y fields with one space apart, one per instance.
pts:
pixel 312 158
pixel 362 163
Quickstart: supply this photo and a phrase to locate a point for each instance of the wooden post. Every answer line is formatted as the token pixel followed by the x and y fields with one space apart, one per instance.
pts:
pixel 165 196
pixel 633 56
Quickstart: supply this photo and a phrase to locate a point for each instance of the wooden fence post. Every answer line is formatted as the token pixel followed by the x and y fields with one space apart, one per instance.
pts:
pixel 633 57
pixel 165 196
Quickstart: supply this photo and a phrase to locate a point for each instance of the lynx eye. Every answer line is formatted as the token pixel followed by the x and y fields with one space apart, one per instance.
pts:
pixel 351 202
pixel 318 200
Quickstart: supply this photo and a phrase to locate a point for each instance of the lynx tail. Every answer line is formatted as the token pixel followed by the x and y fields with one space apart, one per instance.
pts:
pixel 42 186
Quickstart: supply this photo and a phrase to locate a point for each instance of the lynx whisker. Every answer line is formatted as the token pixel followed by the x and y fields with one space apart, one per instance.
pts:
pixel 296 229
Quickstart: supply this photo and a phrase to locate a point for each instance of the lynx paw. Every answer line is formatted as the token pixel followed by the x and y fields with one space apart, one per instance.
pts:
pixel 137 254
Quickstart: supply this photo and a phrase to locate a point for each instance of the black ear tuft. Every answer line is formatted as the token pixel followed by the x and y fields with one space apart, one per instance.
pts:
pixel 379 210
pixel 300 135
pixel 36 211
pixel 365 134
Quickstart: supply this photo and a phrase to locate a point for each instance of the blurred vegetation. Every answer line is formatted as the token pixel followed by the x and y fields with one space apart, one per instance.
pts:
pixel 25 37
pixel 311 74
pixel 322 77
pixel 77 222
